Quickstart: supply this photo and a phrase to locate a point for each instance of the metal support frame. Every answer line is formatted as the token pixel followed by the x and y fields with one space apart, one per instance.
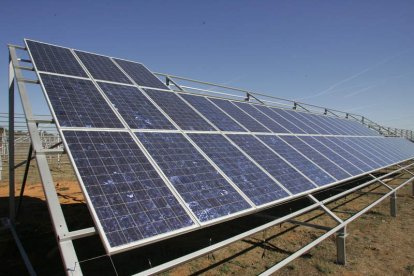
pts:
pixel 64 237
pixel 393 204
pixel 341 246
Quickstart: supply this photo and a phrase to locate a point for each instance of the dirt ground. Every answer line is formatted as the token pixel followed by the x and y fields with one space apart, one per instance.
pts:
pixel 378 244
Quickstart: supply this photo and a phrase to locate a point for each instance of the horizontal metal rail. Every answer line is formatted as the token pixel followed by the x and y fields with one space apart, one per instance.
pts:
pixel 309 246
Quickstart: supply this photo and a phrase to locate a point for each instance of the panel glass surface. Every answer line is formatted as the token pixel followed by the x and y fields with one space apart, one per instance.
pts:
pixel 141 75
pixel 178 110
pixel 309 120
pixel 213 113
pixel 290 115
pixel 102 68
pixel 344 153
pixel 203 188
pixel 280 120
pixel 316 157
pixel 290 178
pixel 250 179
pixel 55 59
pixel 134 107
pixel 340 142
pixel 78 103
pixel 262 118
pixel 302 164
pixel 130 199
pixel 358 144
pixel 241 117
pixel 335 157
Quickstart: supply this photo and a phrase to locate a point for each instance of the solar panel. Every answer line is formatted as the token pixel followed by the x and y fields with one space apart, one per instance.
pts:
pixel 280 119
pixel 141 75
pixel 205 191
pixel 262 118
pixel 294 120
pixel 254 182
pixel 334 130
pixel 241 117
pixel 289 177
pixel 78 103
pixel 369 162
pixel 102 68
pixel 137 111
pixel 319 159
pixel 344 153
pixel 385 151
pixel 145 180
pixel 130 200
pixel 313 123
pixel 213 113
pixel 313 172
pixel 342 162
pixel 55 59
pixel 178 110
pixel 358 144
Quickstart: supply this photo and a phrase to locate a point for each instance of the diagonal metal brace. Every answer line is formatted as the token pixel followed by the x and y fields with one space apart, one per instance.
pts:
pixel 326 209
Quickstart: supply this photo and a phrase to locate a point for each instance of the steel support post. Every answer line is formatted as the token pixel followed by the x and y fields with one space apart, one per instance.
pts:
pixel 341 246
pixel 393 204
pixel 412 188
pixel 12 208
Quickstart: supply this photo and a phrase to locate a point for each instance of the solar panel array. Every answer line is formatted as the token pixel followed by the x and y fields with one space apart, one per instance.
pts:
pixel 154 163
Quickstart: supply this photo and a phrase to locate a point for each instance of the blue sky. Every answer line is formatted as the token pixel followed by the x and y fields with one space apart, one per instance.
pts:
pixel 356 56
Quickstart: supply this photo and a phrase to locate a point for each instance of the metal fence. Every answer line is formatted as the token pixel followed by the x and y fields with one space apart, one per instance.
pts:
pixel 59 163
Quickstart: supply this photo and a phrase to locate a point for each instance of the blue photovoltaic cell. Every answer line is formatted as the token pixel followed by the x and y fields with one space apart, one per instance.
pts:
pixel 239 116
pixel 290 178
pixel 250 179
pixel 141 75
pixel 386 151
pixel 102 68
pixel 280 120
pixel 358 144
pixel 291 116
pixel 338 126
pixel 130 199
pixel 335 157
pixel 213 113
pixel 328 124
pixel 362 129
pixel 201 186
pixel 178 110
pixel 134 107
pixel 262 118
pixel 309 120
pixel 316 157
pixel 55 59
pixel 78 103
pixel 302 164
pixel 339 141
pixel 344 153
